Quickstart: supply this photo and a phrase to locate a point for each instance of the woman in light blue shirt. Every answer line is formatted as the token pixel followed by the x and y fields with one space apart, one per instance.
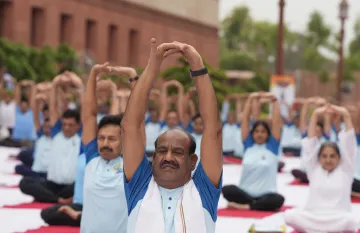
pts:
pixel 257 188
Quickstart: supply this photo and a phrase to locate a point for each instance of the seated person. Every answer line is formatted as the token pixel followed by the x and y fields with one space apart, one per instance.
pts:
pixel 68 215
pixel 257 189
pixel 330 168
pixel 322 131
pixel 41 154
pixel 65 149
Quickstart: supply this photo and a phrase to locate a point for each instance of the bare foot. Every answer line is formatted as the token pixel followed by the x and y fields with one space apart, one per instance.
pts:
pixel 70 211
pixel 238 206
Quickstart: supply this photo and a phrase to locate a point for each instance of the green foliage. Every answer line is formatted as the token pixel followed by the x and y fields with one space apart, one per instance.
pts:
pixel 39 65
pixel 318 32
pixel 181 74
pixel 352 62
pixel 237 60
pixel 324 76
pixel 236 27
pixel 312 60
pixel 66 58
pixel 260 82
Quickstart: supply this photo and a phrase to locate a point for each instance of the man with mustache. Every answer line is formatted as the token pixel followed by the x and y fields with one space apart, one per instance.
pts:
pixel 163 196
pixel 104 206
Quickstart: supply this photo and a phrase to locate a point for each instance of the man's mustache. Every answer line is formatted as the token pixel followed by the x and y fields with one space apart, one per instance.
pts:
pixel 106 149
pixel 171 163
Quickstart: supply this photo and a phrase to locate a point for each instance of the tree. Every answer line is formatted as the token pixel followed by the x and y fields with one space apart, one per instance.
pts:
pixel 352 62
pixel 181 74
pixel 355 44
pixel 39 65
pixel 237 60
pixel 236 27
pixel 317 37
pixel 318 32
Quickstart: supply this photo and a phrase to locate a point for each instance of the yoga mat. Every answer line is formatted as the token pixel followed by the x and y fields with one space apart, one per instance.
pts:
pixel 232 160
pixel 355 199
pixel 32 205
pixel 55 229
pixel 231 212
pixel 296 182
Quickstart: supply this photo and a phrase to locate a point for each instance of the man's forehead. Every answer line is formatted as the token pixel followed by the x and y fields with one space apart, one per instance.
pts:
pixel 110 130
pixel 173 137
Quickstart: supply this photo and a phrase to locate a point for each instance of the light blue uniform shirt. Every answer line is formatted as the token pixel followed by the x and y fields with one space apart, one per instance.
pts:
pixel 99 116
pixel 197 138
pixel 165 127
pixel 230 133
pixel 239 149
pixel 24 125
pixel 105 208
pixel 260 165
pixel 291 136
pixel 152 132
pixel 136 188
pixel 42 153
pixel 79 180
pixel 63 156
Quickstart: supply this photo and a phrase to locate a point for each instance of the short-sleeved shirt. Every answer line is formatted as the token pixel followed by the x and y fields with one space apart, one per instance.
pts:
pixel 105 208
pixel 230 133
pixel 291 136
pixel 152 132
pixel 79 180
pixel 63 156
pixel 260 165
pixel 136 188
pixel 24 128
pixel 197 138
pixel 165 127
pixel 7 114
pixel 42 153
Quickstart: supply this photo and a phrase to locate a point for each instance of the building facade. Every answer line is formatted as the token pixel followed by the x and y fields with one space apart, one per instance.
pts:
pixel 118 31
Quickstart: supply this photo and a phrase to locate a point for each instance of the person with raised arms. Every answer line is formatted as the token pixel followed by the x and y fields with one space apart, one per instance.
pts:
pixel 104 208
pixel 163 196
pixel 65 150
pixel 330 168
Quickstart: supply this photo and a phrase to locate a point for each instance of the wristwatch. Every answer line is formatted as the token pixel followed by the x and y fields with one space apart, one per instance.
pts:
pixel 195 73
pixel 133 79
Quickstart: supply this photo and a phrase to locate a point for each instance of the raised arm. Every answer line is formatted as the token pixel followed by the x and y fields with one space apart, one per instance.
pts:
pixel 36 110
pixel 277 122
pixel 245 121
pixel 304 115
pixel 131 125
pixel 53 106
pixel 311 144
pixel 211 142
pixel 115 102
pixel 89 109
pixel 17 92
pixel 123 95
pixel 180 103
pixel 347 141
pixel 164 106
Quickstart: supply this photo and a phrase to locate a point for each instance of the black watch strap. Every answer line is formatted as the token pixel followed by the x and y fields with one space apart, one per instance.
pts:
pixel 195 73
pixel 133 79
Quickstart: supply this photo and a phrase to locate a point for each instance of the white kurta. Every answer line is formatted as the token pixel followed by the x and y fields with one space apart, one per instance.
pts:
pixel 328 208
